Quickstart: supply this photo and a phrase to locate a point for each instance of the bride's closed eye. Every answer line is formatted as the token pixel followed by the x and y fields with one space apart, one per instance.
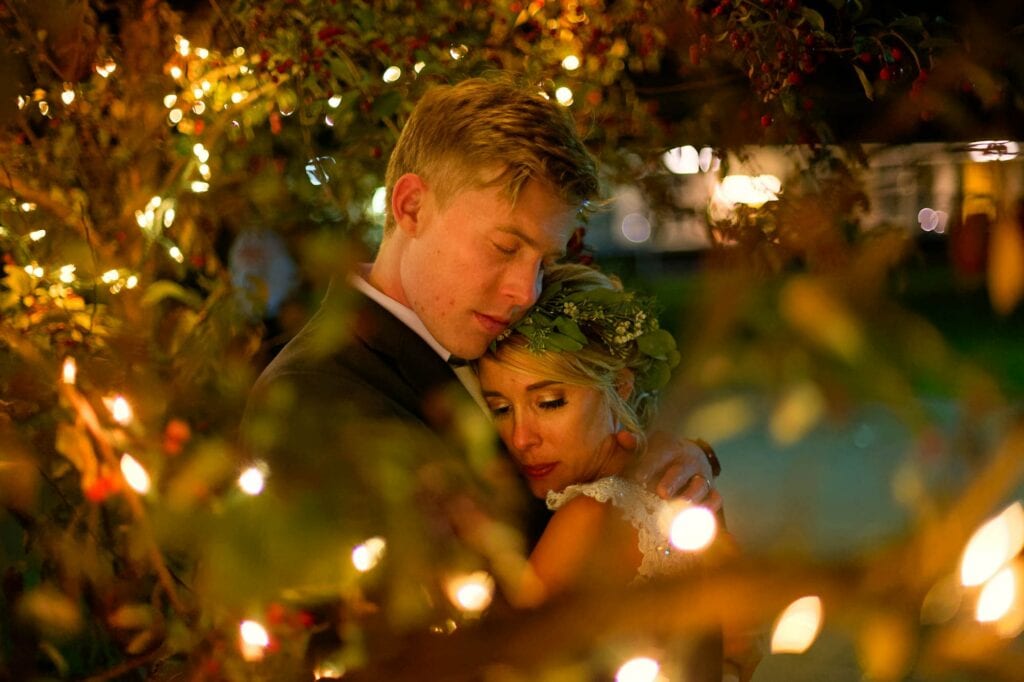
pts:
pixel 500 410
pixel 552 403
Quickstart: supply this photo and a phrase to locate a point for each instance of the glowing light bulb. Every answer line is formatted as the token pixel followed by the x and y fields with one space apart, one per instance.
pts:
pixel 67 274
pixel 996 597
pixel 683 160
pixel 457 52
pixel 68 96
pixel 28 207
pixel 334 102
pixel 471 592
pixel 994 544
pixel 798 626
pixel 175 116
pixel 198 108
pixel 36 235
pixel 176 253
pixel 564 96
pixel 69 371
pixel 200 151
pixel 44 108
pixel 392 74
pixel 183 46
pixel 134 474
pixel 693 529
pixel 238 51
pixel 238 96
pixel 198 186
pixel 368 554
pixel 131 282
pixel 418 66
pixel 119 409
pixel 571 63
pixel 202 52
pixel 176 72
pixel 640 669
pixel 109 276
pixel 254 640
pixel 253 479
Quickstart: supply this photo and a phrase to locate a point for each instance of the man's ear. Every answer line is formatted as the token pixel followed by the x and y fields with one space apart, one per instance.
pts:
pixel 624 383
pixel 407 199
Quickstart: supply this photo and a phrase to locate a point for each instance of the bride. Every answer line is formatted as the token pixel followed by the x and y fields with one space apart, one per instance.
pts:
pixel 586 362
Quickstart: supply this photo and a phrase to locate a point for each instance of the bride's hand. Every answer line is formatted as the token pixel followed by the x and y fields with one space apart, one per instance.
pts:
pixel 679 468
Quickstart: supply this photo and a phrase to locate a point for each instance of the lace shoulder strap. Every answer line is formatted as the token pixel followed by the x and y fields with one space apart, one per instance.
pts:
pixel 644 510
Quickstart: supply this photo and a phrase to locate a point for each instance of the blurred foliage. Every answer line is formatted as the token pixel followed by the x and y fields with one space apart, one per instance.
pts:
pixel 138 140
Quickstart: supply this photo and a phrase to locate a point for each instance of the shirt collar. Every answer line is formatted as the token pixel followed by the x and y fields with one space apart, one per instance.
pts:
pixel 406 315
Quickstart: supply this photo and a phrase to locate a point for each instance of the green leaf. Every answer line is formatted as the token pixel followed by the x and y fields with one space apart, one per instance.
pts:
pixel 813 18
pixel 562 342
pixel 570 329
pixel 657 344
pixel 869 90
pixel 909 23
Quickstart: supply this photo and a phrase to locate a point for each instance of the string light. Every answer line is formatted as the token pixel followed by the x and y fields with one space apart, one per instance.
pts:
pixel 176 72
pixel 238 96
pixel 471 592
pixel 175 116
pixel 198 186
pixel 131 282
pixel 798 626
pixel 329 671
pixel 571 63
pixel 367 555
pixel 119 409
pixel 200 151
pixel 69 371
pixel 28 207
pixel 418 66
pixel 198 108
pixel 22 101
pixel 68 96
pixel 239 51
pixel 67 274
pixel 994 544
pixel 457 52
pixel 564 96
pixel 110 276
pixel 36 235
pixel 169 215
pixel 996 597
pixel 175 252
pixel 640 669
pixel 44 108
pixel 106 68
pixel 204 171
pixel 202 52
pixel 183 46
pixel 392 74
pixel 134 474
pixel 693 529
pixel 254 640
pixel 253 479
pixel 334 102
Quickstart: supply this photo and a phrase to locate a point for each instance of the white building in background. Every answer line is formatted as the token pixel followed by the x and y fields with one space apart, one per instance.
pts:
pixel 929 187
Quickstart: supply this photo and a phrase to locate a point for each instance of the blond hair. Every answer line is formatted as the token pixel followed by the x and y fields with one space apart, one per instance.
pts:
pixel 457 132
pixel 595 365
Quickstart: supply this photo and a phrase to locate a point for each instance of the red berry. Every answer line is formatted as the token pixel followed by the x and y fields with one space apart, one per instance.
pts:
pixel 885 74
pixel 793 78
pixel 864 57
pixel 767 120
pixel 896 54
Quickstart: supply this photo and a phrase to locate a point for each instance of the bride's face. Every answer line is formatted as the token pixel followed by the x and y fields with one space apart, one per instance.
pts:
pixel 558 433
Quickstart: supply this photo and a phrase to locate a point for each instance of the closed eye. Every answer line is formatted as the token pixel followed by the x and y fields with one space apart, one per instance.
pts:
pixel 507 250
pixel 500 410
pixel 552 404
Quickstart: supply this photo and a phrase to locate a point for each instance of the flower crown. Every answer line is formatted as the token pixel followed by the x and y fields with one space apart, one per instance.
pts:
pixel 570 315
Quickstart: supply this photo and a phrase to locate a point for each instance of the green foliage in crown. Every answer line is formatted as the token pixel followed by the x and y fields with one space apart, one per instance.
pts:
pixel 568 318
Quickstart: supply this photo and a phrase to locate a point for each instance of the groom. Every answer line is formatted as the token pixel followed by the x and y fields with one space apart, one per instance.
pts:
pixel 484 190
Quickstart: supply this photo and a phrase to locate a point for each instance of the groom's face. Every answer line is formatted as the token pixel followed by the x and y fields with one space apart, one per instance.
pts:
pixel 475 264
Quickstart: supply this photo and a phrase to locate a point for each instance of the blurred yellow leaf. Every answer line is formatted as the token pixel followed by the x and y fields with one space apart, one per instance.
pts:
pixel 51 612
pixel 19 482
pixel 1006 266
pixel 885 646
pixel 796 413
pixel 132 617
pixel 814 311
pixel 720 420
pixel 76 446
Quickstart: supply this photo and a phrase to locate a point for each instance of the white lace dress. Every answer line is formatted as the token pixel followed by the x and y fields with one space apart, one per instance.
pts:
pixel 645 511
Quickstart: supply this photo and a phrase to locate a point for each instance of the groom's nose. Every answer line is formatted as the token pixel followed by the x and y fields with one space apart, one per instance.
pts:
pixel 521 284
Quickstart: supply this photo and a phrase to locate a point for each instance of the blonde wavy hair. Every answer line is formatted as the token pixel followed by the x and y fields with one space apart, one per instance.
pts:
pixel 594 366
pixel 458 133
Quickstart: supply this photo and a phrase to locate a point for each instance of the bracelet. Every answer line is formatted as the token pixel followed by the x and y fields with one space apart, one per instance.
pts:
pixel 709 452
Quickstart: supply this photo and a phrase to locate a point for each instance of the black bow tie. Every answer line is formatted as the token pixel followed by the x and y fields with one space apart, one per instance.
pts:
pixel 456 361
